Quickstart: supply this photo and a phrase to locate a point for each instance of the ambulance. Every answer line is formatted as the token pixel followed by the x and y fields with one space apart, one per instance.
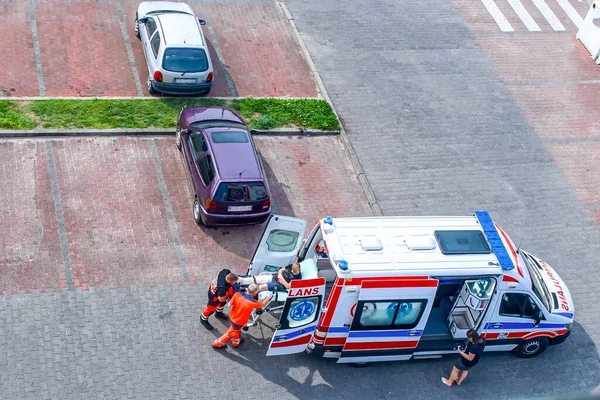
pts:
pixel 399 288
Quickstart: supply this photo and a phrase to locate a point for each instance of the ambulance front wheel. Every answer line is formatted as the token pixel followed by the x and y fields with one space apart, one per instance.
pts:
pixel 531 348
pixel 360 365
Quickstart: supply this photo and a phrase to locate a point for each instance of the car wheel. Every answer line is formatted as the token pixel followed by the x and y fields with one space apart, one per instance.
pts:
pixel 178 137
pixel 196 211
pixel 151 89
pixel 360 364
pixel 532 347
pixel 136 27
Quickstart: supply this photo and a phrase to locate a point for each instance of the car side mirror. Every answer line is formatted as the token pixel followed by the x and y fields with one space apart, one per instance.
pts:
pixel 185 131
pixel 143 20
pixel 253 132
pixel 202 22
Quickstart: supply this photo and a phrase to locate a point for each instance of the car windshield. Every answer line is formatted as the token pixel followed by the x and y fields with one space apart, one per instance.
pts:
pixel 240 191
pixel 538 285
pixel 185 60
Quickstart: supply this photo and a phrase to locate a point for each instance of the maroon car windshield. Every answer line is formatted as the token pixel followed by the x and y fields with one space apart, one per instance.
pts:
pixel 240 192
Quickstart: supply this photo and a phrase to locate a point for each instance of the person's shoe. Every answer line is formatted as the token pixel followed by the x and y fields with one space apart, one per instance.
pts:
pixel 219 346
pixel 221 315
pixel 239 343
pixel 206 324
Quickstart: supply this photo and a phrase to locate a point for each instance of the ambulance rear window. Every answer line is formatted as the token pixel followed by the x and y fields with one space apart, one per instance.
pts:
pixel 462 242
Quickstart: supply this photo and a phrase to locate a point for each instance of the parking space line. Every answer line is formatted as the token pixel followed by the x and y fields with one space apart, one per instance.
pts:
pixel 527 19
pixel 549 15
pixel 570 11
pixel 36 49
pixel 169 211
pixel 134 69
pixel 60 218
pixel 213 39
pixel 497 15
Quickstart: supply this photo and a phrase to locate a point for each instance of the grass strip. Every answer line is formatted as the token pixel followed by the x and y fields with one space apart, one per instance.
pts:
pixel 266 113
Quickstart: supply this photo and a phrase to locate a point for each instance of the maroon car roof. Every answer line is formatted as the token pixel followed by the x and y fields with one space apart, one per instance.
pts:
pixel 233 158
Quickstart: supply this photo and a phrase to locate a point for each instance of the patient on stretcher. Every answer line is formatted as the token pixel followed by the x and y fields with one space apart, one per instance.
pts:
pixel 279 285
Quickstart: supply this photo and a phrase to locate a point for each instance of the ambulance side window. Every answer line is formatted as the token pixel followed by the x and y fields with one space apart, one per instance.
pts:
pixel 518 305
pixel 393 314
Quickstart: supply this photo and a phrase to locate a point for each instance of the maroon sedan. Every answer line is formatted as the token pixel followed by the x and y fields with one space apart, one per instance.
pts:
pixel 224 170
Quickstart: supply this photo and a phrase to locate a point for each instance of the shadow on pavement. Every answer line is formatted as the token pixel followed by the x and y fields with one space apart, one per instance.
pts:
pixel 573 366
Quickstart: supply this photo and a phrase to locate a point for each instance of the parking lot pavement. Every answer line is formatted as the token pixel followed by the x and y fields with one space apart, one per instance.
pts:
pixel 87 48
pixel 259 46
pixel 18 64
pixel 97 212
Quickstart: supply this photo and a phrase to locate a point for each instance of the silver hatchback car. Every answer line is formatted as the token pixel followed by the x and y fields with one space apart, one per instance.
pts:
pixel 175 48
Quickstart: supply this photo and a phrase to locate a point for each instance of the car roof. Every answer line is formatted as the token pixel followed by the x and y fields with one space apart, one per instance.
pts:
pixel 180 29
pixel 233 158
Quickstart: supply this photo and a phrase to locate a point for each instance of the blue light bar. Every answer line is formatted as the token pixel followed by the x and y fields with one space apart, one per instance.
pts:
pixel 491 234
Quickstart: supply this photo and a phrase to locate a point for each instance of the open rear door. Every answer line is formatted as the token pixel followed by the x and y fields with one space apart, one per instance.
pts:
pixel 389 320
pixel 278 245
pixel 299 317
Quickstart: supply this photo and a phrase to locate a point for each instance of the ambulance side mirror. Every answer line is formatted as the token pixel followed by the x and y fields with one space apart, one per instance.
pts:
pixel 539 316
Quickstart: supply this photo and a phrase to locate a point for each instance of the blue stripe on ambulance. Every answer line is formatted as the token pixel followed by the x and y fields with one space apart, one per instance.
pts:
pixel 521 325
pixel 299 332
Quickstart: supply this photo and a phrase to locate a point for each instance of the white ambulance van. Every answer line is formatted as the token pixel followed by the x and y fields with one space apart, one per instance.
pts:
pixel 396 288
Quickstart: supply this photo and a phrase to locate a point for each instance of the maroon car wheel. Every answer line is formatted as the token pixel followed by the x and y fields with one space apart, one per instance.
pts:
pixel 196 211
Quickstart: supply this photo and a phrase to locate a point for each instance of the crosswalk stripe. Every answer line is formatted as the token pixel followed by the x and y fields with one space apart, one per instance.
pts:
pixel 524 15
pixel 549 15
pixel 574 15
pixel 500 19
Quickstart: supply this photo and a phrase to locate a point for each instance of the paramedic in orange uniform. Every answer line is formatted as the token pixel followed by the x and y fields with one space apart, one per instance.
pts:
pixel 242 305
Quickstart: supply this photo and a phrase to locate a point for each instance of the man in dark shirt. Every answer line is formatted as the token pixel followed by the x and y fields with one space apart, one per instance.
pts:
pixel 469 357
pixel 287 274
pixel 220 291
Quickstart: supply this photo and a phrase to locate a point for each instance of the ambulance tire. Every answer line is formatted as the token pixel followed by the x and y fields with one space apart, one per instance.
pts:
pixel 531 347
pixel 360 365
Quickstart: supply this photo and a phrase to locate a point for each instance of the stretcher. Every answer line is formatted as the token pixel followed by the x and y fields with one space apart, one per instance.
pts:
pixel 308 269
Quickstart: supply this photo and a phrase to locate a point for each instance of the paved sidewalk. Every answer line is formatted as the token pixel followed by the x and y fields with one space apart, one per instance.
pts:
pixel 87 48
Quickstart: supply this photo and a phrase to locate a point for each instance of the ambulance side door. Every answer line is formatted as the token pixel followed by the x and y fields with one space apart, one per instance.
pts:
pixel 299 317
pixel 389 320
pixel 516 317
pixel 278 245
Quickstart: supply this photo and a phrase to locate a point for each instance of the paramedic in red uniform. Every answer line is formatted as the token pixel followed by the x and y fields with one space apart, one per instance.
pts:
pixel 242 305
pixel 220 291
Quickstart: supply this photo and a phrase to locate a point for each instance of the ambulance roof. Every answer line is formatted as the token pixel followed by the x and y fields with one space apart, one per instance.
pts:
pixel 405 246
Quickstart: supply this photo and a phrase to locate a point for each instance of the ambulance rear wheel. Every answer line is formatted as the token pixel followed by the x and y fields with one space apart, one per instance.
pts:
pixel 360 365
pixel 531 348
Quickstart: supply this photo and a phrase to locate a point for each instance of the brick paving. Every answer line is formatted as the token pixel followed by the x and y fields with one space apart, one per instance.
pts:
pixel 19 77
pixel 82 50
pixel 115 218
pixel 260 49
pixel 85 49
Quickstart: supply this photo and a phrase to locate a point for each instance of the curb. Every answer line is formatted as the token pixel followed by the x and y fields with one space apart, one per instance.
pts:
pixel 360 173
pixel 57 133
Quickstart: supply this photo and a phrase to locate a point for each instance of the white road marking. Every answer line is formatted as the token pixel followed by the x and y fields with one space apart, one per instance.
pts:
pixel 571 12
pixel 549 15
pixel 500 19
pixel 524 15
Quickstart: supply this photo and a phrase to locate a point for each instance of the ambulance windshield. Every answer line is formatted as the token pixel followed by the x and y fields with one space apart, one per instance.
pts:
pixel 538 285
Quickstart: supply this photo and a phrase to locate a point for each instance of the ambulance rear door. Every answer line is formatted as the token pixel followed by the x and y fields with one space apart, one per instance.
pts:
pixel 278 245
pixel 299 317
pixel 389 320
